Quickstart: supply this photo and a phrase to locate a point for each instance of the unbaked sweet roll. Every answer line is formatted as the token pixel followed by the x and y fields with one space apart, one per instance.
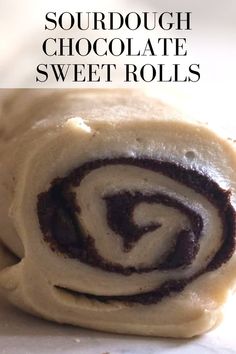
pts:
pixel 121 214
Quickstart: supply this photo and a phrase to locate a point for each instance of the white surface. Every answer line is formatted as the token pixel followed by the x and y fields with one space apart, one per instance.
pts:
pixel 211 43
pixel 23 334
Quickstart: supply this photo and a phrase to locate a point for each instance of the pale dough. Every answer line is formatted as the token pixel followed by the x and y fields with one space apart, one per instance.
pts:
pixel 46 135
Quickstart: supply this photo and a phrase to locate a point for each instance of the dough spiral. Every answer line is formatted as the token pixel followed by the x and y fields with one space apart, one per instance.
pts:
pixel 122 214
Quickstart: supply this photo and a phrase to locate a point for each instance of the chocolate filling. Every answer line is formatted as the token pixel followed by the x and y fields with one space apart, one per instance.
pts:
pixel 120 207
pixel 57 211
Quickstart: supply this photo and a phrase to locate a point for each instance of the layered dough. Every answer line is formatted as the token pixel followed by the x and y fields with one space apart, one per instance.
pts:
pixel 118 213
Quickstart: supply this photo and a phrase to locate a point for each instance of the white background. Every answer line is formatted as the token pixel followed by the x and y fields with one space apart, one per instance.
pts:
pixel 212 43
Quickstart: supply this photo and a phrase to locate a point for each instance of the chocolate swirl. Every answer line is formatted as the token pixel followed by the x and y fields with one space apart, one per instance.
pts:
pixel 59 212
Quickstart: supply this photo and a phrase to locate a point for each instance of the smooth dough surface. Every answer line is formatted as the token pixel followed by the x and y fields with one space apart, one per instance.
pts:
pixel 119 213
